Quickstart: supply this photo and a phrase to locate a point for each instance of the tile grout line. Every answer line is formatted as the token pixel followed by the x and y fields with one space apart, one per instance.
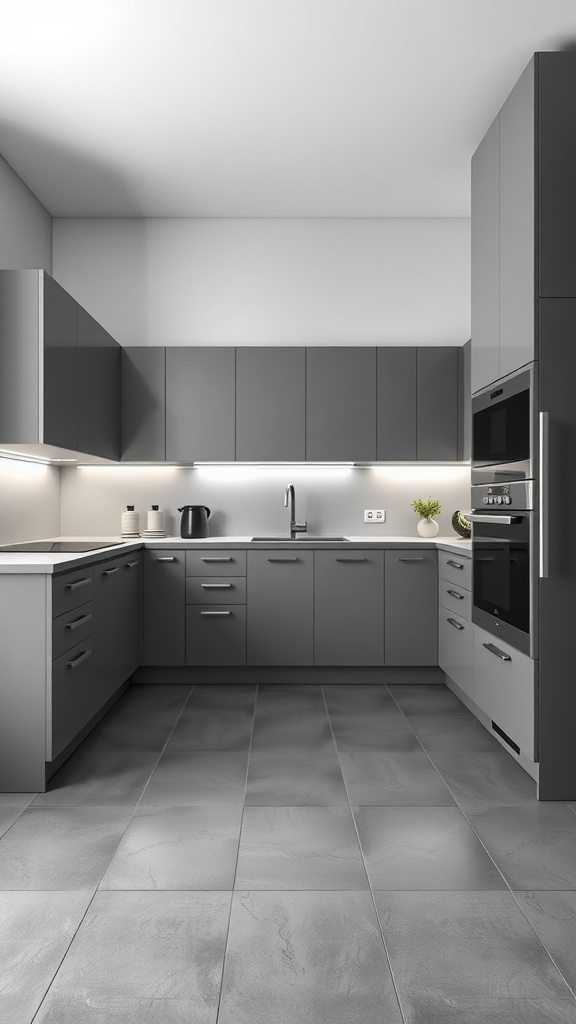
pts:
pixel 571 990
pixel 370 889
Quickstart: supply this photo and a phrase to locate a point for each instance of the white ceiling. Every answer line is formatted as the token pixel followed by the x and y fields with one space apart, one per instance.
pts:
pixel 260 108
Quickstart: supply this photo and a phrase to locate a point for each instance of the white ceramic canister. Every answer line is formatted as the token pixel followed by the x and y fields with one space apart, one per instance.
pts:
pixel 130 523
pixel 154 521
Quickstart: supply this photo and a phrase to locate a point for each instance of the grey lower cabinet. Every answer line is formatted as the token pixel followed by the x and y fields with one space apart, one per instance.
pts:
pixel 164 606
pixel 215 607
pixel 411 601
pixel 340 404
pixel 349 607
pixel 143 404
pixel 504 688
pixel 270 404
pixel 280 607
pixel 200 404
pixel 455 630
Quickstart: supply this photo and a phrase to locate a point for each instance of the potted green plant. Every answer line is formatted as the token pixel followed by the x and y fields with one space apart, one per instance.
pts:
pixel 426 509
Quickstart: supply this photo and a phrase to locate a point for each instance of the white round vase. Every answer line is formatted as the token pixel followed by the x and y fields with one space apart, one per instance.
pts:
pixel 427 527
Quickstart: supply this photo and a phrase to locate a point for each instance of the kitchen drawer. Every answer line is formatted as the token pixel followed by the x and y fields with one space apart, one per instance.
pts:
pixel 455 598
pixel 456 649
pixel 71 628
pixel 504 688
pixel 71 589
pixel 455 569
pixel 74 698
pixel 216 636
pixel 224 590
pixel 215 563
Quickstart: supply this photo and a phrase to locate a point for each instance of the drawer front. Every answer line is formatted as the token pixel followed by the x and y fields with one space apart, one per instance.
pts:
pixel 74 698
pixel 504 687
pixel 456 599
pixel 215 563
pixel 207 590
pixel 456 649
pixel 216 636
pixel 456 569
pixel 71 628
pixel 71 590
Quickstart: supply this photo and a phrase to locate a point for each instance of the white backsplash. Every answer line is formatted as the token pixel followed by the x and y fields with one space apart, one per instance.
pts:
pixel 249 500
pixel 29 501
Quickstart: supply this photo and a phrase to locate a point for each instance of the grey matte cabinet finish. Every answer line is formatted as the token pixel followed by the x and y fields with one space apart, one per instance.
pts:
pixel 438 403
pixel 75 694
pixel 270 404
pixel 556 152
pixel 163 607
pixel 71 628
pixel 280 609
pixel 504 688
pixel 116 623
pixel 340 404
pixel 98 389
pixel 349 607
pixel 411 602
pixel 465 402
pixel 200 404
pixel 207 590
pixel 61 406
pixel 216 636
pixel 456 649
pixel 143 404
pixel 486 259
pixel 396 404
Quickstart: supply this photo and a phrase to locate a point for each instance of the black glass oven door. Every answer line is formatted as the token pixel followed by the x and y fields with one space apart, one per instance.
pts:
pixel 501 432
pixel 501 560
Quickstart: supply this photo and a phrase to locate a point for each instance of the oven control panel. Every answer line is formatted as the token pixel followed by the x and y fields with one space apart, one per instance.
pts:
pixel 515 495
pixel 497 499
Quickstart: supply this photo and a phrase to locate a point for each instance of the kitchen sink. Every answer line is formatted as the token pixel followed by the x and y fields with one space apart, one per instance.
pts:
pixel 296 540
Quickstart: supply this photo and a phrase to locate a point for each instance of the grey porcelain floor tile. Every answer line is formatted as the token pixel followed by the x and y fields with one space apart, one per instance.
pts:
pixel 362 697
pixel 316 957
pixel 423 848
pixel 289 699
pixel 277 780
pixel 306 732
pixel 299 848
pixel 376 732
pixel 212 730
pixel 130 732
pixel 92 779
pixel 452 734
pixel 135 949
pixel 387 779
pixel 20 800
pixel 60 847
pixel 163 696
pixel 481 779
pixel 427 698
pixel 197 778
pixel 8 815
pixel 235 697
pixel 553 918
pixel 470 958
pixel 36 929
pixel 177 848
pixel 534 846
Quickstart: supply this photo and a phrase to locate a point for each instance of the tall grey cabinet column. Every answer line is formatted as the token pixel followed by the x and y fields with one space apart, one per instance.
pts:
pixel 340 404
pixel 270 404
pixel 486 259
pixel 200 404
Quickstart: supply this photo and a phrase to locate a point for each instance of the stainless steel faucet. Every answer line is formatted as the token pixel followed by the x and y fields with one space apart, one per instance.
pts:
pixel 295 527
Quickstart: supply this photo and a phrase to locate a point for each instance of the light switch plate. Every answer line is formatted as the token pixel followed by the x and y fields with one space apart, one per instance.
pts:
pixel 374 515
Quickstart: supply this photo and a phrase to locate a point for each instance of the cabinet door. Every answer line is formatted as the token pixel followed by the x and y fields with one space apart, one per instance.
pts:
pixel 396 404
pixel 163 607
pixel 349 607
pixel 270 404
pixel 340 404
pixel 486 259
pixel 464 402
pixel 59 317
pixel 200 404
pixel 411 607
pixel 74 694
pixel 98 389
pixel 143 404
pixel 517 239
pixel 132 613
pixel 216 636
pixel 437 403
pixel 109 627
pixel 280 607
pixel 456 649
pixel 556 174
pixel 504 688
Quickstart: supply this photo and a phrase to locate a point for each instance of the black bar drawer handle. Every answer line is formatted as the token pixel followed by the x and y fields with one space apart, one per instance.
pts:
pixel 282 559
pixel 78 661
pixel 420 558
pixel 222 559
pixel 78 584
pixel 215 613
pixel 350 559
pixel 454 593
pixel 455 565
pixel 496 650
pixel 166 558
pixel 457 625
pixel 130 565
pixel 79 622
pixel 216 586
pixel 110 572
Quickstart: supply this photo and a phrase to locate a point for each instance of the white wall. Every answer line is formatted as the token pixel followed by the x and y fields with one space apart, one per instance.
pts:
pixel 29 501
pixel 270 282
pixel 25 225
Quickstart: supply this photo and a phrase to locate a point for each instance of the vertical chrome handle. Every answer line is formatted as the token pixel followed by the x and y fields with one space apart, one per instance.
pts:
pixel 543 491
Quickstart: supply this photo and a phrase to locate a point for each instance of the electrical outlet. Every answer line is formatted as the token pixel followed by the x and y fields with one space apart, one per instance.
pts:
pixel 374 515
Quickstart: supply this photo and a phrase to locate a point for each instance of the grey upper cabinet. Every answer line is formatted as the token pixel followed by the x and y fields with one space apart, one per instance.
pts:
pixel 411 607
pixel 143 404
pixel 555 102
pixel 200 404
pixel 164 607
pixel 349 607
pixel 280 607
pixel 98 389
pixel 485 296
pixel 438 375
pixel 396 404
pixel 270 404
pixel 340 404
pixel 59 314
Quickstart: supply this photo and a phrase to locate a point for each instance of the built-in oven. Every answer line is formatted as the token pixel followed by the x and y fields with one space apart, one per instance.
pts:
pixel 504 551
pixel 504 428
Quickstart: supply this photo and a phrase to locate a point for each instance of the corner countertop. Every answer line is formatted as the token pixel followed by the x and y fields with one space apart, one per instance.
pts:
pixel 48 562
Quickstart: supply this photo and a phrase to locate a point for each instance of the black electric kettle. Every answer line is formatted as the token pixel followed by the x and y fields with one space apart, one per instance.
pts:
pixel 194 521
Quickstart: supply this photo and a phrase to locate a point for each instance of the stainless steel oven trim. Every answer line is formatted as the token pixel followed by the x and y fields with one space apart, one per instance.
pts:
pixel 513 384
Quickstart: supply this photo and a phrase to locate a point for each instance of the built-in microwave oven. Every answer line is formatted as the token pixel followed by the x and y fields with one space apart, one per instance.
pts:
pixel 504 430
